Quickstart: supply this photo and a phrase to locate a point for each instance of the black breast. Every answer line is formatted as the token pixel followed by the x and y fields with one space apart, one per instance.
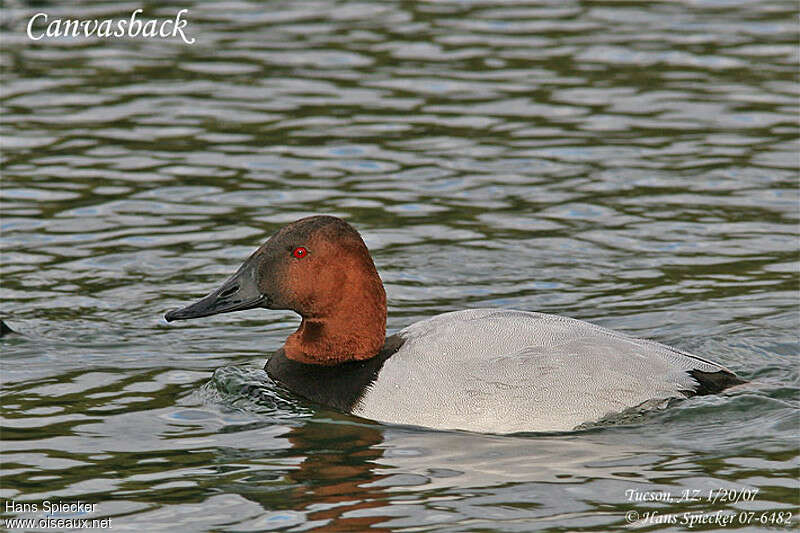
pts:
pixel 338 386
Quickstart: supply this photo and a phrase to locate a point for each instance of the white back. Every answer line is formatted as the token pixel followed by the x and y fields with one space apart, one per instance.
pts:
pixel 505 371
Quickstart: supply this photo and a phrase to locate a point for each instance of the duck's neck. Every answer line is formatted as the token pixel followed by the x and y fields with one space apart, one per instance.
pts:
pixel 354 330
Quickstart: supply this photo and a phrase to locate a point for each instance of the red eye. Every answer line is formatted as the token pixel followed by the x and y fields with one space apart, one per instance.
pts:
pixel 300 252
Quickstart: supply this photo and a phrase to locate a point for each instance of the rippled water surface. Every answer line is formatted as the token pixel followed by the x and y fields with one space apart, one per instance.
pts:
pixel 630 164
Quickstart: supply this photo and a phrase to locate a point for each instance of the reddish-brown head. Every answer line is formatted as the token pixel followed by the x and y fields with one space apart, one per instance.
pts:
pixel 320 268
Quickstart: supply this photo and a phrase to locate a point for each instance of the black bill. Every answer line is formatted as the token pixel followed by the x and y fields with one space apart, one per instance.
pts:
pixel 239 292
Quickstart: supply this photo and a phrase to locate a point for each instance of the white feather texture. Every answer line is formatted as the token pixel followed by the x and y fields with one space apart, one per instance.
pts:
pixel 503 371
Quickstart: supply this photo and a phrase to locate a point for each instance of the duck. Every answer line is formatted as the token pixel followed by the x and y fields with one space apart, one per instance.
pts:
pixel 481 370
pixel 5 329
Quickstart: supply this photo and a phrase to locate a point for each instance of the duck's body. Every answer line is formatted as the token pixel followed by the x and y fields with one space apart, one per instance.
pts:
pixel 485 370
pixel 502 371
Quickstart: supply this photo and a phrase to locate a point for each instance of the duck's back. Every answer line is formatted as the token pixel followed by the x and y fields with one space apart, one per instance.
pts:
pixel 507 371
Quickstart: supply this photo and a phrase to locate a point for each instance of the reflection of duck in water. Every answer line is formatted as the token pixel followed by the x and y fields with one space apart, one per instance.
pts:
pixel 338 476
pixel 485 370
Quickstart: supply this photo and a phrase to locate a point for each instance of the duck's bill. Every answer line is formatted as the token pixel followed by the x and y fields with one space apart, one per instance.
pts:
pixel 240 292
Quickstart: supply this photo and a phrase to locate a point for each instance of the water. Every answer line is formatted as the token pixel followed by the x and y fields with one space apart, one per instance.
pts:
pixel 634 165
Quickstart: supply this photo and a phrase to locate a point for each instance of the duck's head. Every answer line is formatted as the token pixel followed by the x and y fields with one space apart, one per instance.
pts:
pixel 320 268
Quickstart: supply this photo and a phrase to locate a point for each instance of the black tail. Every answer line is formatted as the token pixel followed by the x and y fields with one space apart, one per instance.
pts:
pixel 4 329
pixel 713 382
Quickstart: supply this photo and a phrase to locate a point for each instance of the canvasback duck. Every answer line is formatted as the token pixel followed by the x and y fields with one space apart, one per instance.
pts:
pixel 483 370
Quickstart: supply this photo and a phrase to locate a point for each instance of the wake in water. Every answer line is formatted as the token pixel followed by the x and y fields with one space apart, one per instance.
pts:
pixel 250 389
